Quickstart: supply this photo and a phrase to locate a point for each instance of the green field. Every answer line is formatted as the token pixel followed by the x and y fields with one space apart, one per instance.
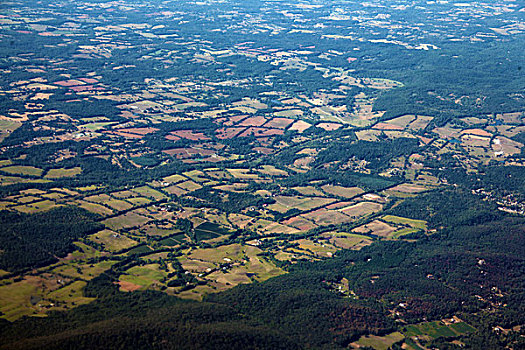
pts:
pixel 23 170
pixel 63 172
pixel 420 224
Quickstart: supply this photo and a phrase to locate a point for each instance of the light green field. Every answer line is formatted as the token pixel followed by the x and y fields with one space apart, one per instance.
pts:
pixel 380 343
pixel 36 206
pixel 113 241
pixel 174 179
pixel 143 276
pixel 437 329
pixel 403 232
pixel 149 192
pixel 63 172
pixel 420 224
pixel 196 175
pixel 71 295
pixel 189 185
pixel 15 299
pixel 23 170
pixel 138 201
pixel 84 271
pixel 119 205
pixel 94 208
pixel 130 219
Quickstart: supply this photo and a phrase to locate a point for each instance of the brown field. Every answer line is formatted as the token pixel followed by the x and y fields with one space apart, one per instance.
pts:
pixel 511 118
pixel 376 227
pixel 309 191
pixel 228 133
pixel 477 132
pixel 300 126
pixel 402 121
pixel 253 121
pixel 409 188
pixel 190 135
pixel 94 208
pixel 362 208
pixel 177 191
pixel 128 286
pixel 329 126
pixel 387 126
pixel 347 240
pixel 302 203
pixel 347 192
pixel 447 132
pixel 189 152
pixel 289 113
pixel 300 223
pixel 138 131
pixel 327 217
pixel 420 123
pixel 278 123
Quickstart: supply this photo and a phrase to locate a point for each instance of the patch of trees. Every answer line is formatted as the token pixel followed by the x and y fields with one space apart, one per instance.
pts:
pixel 377 154
pixel 33 240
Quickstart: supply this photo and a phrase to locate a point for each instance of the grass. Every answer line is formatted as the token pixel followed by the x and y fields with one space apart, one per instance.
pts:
pixel 23 170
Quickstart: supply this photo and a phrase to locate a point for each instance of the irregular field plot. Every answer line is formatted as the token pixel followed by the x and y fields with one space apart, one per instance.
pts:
pixel 23 170
pixel 130 219
pixel 63 172
pixel 113 241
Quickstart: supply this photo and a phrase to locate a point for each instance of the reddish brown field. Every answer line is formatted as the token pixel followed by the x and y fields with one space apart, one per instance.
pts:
pixel 182 153
pixel 299 223
pixel 69 83
pixel 190 135
pixel 279 123
pixel 234 119
pixel 172 138
pixel 253 121
pixel 125 134
pixel 228 133
pixel 128 286
pixel 138 131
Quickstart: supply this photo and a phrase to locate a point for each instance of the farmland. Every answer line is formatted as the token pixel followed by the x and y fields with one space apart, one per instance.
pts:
pixel 352 164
